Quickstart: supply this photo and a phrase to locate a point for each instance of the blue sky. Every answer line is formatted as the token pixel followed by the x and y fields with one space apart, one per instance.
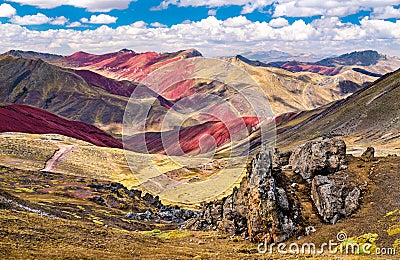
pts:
pixel 215 27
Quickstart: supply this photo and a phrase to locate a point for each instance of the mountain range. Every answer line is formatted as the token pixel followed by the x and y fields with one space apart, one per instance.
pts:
pixel 95 89
pixel 275 55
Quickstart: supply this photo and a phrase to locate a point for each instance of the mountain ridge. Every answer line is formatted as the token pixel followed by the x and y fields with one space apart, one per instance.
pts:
pixel 334 65
pixel 27 119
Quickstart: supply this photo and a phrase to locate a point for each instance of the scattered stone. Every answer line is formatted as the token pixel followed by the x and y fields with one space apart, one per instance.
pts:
pixel 368 155
pixel 172 214
pixel 99 200
pixel 287 167
pixel 309 230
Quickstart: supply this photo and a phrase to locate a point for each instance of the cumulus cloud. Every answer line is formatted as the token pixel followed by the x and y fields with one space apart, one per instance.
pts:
pixel 340 8
pixel 290 8
pixel 100 19
pixel 212 12
pixel 278 22
pixel 60 20
pixel 158 25
pixel 90 5
pixel 385 12
pixel 6 10
pixel 74 24
pixel 214 37
pixel 35 19
pixel 248 5
pixel 38 19
pixel 238 21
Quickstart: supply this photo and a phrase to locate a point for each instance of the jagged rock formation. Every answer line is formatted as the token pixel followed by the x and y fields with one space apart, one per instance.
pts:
pixel 321 162
pixel 333 198
pixel 319 158
pixel 261 207
pixel 265 204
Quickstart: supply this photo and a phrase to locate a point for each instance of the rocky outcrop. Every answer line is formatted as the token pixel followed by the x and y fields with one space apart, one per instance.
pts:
pixel 149 207
pixel 260 208
pixel 281 159
pixel 266 206
pixel 321 163
pixel 321 157
pixel 333 198
pixel 173 214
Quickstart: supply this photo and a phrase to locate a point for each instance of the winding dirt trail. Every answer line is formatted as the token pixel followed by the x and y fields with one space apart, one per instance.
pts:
pixel 59 156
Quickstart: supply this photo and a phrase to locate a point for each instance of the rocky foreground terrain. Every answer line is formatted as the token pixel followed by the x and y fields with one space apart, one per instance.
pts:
pixel 305 195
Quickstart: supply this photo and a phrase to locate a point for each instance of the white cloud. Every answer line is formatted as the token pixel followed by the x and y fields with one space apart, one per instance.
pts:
pixel 213 37
pixel 7 10
pixel 35 19
pixel 290 8
pixel 381 29
pixel 38 19
pixel 341 8
pixel 385 12
pixel 158 25
pixel 100 19
pixel 238 21
pixel 212 12
pixel 60 20
pixel 74 24
pixel 90 5
pixel 278 22
pixel 248 5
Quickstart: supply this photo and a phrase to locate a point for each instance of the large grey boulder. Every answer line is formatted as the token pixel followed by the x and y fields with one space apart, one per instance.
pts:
pixel 334 198
pixel 320 157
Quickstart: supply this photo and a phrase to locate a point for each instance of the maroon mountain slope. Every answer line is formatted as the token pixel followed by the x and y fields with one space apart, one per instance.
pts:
pixel 26 119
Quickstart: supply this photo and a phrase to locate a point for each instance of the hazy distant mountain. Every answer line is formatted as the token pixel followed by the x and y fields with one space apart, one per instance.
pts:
pixel 274 55
pixel 367 62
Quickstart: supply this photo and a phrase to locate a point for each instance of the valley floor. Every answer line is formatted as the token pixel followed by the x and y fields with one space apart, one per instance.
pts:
pixel 51 215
